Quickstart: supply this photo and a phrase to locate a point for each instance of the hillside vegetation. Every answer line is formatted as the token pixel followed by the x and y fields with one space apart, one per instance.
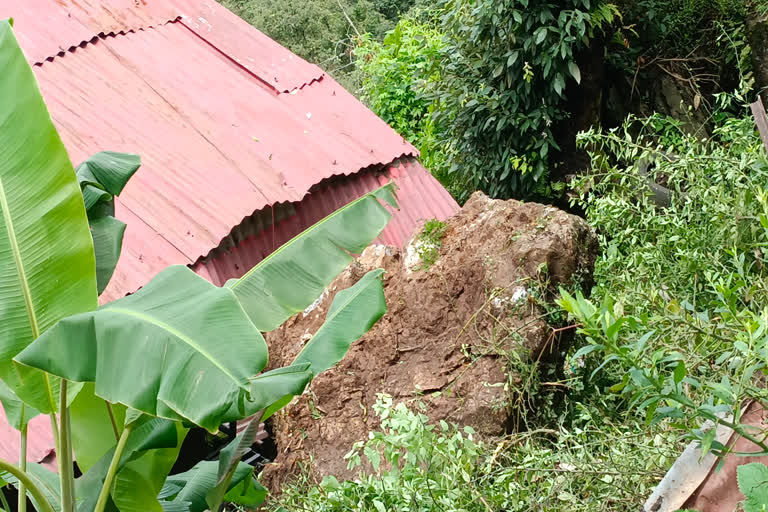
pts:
pixel 674 333
pixel 634 115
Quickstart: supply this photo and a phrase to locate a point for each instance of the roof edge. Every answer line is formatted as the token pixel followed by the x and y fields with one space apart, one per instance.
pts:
pixel 103 35
pixel 231 240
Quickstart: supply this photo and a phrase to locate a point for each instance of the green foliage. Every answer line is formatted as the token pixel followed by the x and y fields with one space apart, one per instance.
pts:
pixel 395 72
pixel 430 240
pixel 411 465
pixel 679 321
pixel 506 66
pixel 318 30
pixel 753 483
pixel 678 27
pixel 396 75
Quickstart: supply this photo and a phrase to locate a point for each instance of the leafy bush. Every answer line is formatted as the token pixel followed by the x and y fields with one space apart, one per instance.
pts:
pixel 679 319
pixel 678 27
pixel 505 68
pixel 396 73
pixel 411 465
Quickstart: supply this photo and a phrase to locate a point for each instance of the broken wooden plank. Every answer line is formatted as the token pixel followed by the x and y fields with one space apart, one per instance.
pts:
pixel 761 120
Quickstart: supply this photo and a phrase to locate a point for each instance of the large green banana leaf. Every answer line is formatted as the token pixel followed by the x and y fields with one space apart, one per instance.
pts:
pixel 180 348
pixel 192 487
pixel 150 435
pixel 292 277
pixel 47 269
pixel 102 177
pixel 352 312
pixel 138 484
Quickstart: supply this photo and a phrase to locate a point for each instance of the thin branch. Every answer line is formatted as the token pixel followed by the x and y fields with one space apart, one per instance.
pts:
pixel 348 19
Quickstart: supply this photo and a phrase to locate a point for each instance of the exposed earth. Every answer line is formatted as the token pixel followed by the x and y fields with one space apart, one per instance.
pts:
pixel 450 338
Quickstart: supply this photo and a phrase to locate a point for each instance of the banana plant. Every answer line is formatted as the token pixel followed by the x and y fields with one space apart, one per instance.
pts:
pixel 180 352
pixel 102 178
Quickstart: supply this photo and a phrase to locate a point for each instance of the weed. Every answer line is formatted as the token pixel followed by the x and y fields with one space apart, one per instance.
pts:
pixel 430 242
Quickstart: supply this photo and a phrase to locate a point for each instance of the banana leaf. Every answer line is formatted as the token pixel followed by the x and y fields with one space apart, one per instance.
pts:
pixel 102 177
pixel 150 434
pixel 292 277
pixel 181 348
pixel 47 268
pixel 193 486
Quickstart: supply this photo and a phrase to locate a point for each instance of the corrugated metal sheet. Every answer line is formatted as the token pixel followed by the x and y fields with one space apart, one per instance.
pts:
pixel 420 197
pixel 50 28
pixel 227 122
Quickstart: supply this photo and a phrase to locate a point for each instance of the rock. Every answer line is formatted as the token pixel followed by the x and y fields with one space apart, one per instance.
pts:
pixel 443 341
pixel 678 103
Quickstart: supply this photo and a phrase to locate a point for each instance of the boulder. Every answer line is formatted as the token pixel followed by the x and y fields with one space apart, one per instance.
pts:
pixel 449 334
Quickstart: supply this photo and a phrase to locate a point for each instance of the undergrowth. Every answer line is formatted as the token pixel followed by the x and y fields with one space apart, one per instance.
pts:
pixel 414 465
pixel 430 240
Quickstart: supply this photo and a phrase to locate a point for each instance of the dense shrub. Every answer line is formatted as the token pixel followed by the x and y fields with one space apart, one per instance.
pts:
pixel 396 74
pixel 679 318
pixel 505 69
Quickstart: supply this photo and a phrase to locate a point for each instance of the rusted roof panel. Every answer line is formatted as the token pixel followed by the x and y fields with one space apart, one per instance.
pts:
pixel 216 144
pixel 50 28
pixel 40 444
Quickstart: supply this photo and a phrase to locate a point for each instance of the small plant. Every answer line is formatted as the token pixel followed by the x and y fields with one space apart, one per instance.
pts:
pixel 430 241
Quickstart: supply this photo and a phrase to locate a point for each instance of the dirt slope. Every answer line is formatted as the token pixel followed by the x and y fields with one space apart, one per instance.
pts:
pixel 449 335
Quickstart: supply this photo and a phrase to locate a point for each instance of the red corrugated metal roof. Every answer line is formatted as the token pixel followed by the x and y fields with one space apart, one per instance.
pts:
pixel 50 28
pixel 216 142
pixel 227 123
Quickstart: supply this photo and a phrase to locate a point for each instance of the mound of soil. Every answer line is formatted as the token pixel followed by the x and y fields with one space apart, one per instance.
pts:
pixel 449 335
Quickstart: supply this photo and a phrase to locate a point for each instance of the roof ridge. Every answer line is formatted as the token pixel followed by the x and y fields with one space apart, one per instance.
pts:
pixel 104 35
pixel 179 19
